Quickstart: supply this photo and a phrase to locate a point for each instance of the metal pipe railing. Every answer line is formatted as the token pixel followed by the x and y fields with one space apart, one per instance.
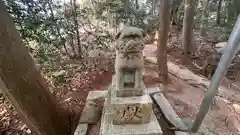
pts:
pixel 229 53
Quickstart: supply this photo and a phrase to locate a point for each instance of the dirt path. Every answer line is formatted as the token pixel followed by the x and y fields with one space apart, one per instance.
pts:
pixel 186 99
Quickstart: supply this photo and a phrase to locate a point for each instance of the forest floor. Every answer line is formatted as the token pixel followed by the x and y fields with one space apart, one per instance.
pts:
pixel 185 96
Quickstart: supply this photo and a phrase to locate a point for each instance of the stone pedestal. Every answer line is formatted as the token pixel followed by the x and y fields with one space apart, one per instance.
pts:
pixel 108 128
pixel 131 110
pixel 130 115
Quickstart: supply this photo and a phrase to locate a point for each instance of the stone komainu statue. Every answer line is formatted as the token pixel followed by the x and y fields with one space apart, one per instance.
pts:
pixel 129 61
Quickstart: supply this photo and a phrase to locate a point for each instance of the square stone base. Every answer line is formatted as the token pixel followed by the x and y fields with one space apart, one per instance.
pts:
pixel 129 92
pixel 108 128
pixel 131 110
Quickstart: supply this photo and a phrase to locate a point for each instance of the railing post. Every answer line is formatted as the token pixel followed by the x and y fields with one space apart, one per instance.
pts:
pixel 225 61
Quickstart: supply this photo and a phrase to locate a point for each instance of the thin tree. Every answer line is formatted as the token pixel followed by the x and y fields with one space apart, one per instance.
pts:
pixel 62 40
pixel 70 32
pixel 204 18
pixel 75 19
pixel 136 12
pixel 127 12
pixel 23 85
pixel 188 27
pixel 162 41
pixel 219 5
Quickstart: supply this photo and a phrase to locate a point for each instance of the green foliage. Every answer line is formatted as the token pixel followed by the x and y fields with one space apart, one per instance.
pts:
pixel 49 24
pixel 42 22
pixel 125 11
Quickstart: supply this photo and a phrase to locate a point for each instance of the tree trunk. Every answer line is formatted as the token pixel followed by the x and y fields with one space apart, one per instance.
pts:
pixel 219 5
pixel 62 41
pixel 175 6
pixel 136 15
pixel 75 19
pixel 23 85
pixel 204 18
pixel 162 41
pixel 188 27
pixel 92 7
pixel 70 35
pixel 230 12
pixel 127 13
pixel 153 7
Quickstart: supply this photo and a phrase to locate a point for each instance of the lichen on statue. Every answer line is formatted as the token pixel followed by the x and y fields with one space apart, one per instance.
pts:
pixel 129 54
pixel 130 42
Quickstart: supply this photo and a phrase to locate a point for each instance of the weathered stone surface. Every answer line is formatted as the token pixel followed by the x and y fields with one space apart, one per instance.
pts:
pixel 129 92
pixel 81 129
pixel 154 90
pixel 129 77
pixel 127 86
pixel 233 122
pixel 236 108
pixel 97 95
pixel 91 113
pixel 181 133
pixel 169 112
pixel 131 110
pixel 129 62
pixel 186 133
pixel 108 128
pixel 220 47
pixel 221 103
pixel 237 97
pixel 132 114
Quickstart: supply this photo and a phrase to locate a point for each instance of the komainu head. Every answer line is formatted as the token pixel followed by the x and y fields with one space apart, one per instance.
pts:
pixel 130 40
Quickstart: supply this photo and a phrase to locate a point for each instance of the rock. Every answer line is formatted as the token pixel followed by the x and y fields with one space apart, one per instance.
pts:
pixel 222 104
pixel 213 59
pixel 28 131
pixel 97 95
pixel 169 112
pixel 91 113
pixel 237 97
pixel 185 133
pixel 180 133
pixel 220 47
pixel 237 108
pixel 233 122
pixel 81 129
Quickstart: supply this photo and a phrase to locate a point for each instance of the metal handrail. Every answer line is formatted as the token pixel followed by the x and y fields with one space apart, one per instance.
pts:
pixel 231 50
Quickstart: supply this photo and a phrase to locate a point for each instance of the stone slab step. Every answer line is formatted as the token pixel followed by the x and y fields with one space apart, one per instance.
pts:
pixel 81 129
pixel 169 112
pixel 97 95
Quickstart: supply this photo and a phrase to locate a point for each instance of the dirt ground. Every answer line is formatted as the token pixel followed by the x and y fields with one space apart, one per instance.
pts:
pixel 186 98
